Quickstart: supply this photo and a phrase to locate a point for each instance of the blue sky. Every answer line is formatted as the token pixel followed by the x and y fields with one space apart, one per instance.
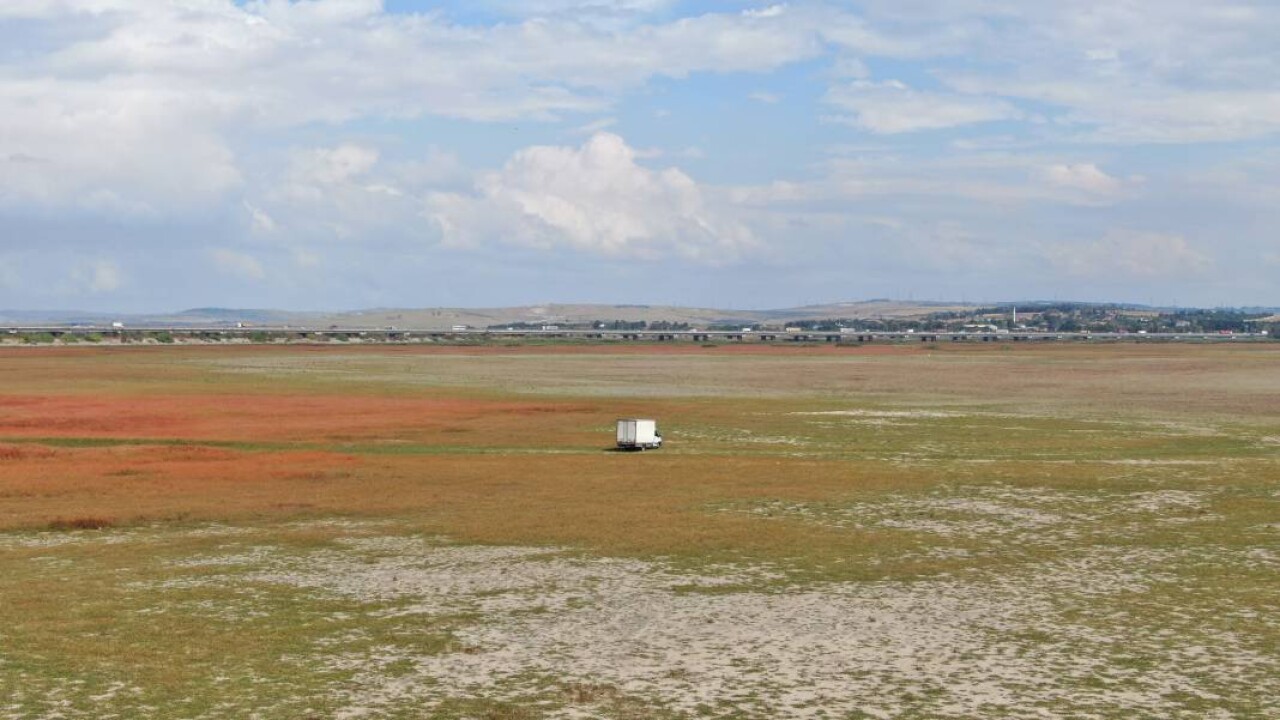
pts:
pixel 336 154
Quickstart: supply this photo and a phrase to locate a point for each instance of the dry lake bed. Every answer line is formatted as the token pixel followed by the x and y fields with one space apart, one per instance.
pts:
pixel 829 532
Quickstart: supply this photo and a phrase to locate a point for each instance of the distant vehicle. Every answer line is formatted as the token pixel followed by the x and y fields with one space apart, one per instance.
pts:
pixel 117 324
pixel 793 329
pixel 459 328
pixel 638 434
pixel 550 327
pixel 747 330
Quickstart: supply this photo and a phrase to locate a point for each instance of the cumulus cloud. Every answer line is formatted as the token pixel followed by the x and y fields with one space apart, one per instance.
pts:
pixel 237 264
pixel 893 107
pixel 299 125
pixel 595 198
pixel 79 142
pixel 1127 253
pixel 130 106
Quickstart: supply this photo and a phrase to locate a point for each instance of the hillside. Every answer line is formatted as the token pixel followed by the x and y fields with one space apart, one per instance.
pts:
pixel 443 318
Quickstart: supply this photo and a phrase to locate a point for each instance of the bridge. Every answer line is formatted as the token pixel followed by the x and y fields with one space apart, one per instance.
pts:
pixel 395 334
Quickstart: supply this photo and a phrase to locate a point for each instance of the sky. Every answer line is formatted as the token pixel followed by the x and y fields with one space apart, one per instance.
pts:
pixel 157 155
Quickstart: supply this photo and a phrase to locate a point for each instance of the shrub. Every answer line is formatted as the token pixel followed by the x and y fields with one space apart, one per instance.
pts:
pixel 83 522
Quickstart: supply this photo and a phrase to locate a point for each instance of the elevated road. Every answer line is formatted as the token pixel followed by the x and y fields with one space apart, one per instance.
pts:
pixel 395 334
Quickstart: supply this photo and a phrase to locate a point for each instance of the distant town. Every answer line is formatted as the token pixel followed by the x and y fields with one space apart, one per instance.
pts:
pixel 1046 318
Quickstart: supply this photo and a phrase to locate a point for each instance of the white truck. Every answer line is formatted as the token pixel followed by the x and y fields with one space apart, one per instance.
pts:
pixel 638 434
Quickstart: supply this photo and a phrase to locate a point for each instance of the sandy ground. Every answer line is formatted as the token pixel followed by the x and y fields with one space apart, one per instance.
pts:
pixel 972 645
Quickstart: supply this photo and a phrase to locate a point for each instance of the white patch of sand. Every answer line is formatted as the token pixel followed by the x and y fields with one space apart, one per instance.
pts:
pixel 1030 515
pixel 888 414
pixel 948 647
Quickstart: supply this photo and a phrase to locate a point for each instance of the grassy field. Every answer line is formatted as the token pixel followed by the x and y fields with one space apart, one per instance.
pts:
pixel 884 532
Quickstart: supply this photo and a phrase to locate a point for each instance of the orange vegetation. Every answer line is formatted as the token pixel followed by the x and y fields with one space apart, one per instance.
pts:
pixel 619 502
pixel 258 417
pixel 124 435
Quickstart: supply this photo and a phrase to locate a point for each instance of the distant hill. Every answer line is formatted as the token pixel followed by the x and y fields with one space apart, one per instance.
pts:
pixel 554 313
pixel 443 318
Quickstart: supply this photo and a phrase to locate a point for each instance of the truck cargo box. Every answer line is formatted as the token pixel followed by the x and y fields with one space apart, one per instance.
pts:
pixel 638 434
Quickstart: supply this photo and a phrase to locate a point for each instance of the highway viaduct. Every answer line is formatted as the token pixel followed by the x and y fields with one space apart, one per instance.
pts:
pixel 393 334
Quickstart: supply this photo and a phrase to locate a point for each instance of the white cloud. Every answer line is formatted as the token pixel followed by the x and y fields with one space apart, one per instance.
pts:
pixel 1135 72
pixel 114 142
pixel 1126 253
pixel 992 181
pixel 97 276
pixel 260 222
pixel 129 106
pixel 330 166
pixel 608 8
pixel 241 265
pixel 379 188
pixel 179 118
pixel 596 199
pixel 595 126
pixel 892 107
pixel 767 98
pixel 1121 112
pixel 304 258
pixel 1082 176
pixel 766 12
pixel 850 67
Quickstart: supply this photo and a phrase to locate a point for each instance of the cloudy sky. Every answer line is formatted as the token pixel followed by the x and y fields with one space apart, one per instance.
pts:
pixel 334 154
